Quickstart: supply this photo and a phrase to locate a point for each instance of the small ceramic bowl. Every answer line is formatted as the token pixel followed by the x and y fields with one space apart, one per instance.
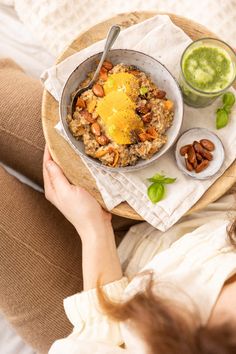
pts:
pixel 160 76
pixel 218 153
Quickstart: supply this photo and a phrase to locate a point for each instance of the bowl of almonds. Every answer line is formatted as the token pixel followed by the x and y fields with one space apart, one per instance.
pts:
pixel 199 153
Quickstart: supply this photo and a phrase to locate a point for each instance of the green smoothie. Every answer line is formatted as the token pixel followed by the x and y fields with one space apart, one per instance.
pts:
pixel 207 70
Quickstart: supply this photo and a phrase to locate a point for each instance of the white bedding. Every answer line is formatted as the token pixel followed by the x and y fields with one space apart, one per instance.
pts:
pixel 24 47
pixel 17 43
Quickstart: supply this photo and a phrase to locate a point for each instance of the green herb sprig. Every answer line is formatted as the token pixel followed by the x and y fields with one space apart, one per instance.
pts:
pixel 156 190
pixel 222 113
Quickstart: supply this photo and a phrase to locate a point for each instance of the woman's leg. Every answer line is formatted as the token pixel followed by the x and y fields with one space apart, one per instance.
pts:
pixel 21 135
pixel 40 258
pixel 40 263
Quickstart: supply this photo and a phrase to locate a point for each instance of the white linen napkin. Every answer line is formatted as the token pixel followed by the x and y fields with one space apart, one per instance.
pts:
pixel 160 38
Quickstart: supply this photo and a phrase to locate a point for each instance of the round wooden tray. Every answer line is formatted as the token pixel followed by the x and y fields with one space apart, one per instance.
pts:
pixel 70 162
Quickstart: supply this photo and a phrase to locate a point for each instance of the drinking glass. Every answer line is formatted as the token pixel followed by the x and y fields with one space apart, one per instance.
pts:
pixel 194 96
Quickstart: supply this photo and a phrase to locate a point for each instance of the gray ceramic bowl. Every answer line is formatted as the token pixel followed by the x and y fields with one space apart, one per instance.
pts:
pixel 160 76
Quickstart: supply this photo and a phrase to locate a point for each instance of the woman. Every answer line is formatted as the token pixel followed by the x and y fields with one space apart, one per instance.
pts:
pixel 182 302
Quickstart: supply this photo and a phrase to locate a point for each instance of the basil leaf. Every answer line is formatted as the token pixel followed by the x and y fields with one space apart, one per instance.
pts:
pixel 157 178
pixel 228 99
pixel 227 109
pixel 169 180
pixel 155 192
pixel 161 179
pixel 222 118
pixel 143 90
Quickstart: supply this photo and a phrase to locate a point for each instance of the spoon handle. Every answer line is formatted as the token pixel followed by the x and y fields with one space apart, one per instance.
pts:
pixel 111 37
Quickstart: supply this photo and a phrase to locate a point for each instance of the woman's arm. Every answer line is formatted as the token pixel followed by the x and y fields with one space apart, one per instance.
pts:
pixel 100 259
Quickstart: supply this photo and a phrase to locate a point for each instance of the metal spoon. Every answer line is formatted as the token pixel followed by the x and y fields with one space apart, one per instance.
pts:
pixel 111 37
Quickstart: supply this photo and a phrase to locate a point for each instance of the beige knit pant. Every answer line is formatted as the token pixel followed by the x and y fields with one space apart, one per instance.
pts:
pixel 40 251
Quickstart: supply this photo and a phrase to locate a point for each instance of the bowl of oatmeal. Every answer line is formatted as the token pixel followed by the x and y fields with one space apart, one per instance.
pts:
pixel 129 118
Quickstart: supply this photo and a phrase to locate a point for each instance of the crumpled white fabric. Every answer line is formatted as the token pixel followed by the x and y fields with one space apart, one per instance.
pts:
pixel 189 265
pixel 163 40
pixel 56 23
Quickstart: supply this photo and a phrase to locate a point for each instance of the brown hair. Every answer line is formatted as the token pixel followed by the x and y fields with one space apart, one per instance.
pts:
pixel 168 328
pixel 232 232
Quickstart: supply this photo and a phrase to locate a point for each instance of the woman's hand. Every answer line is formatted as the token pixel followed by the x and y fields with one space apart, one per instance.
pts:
pixel 100 258
pixel 75 203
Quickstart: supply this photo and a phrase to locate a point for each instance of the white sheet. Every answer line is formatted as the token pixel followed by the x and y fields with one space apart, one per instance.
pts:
pixel 17 43
pixel 10 342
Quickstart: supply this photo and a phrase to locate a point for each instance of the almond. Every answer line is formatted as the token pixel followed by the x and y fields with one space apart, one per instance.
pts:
pixel 202 166
pixel 107 65
pixel 189 166
pixel 96 129
pixel 102 139
pixel 88 116
pixel 207 155
pixel 207 144
pixel 159 94
pixel 143 108
pixel 146 118
pixel 103 74
pixel 184 149
pixel 198 147
pixel 199 157
pixel 98 90
pixel 191 155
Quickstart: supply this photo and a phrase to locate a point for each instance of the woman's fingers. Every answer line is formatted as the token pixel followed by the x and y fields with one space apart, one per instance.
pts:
pixel 46 179
pixel 57 179
pixel 54 179
pixel 46 156
pixel 55 183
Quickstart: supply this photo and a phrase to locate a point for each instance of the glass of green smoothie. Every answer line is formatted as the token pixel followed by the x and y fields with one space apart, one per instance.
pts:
pixel 208 68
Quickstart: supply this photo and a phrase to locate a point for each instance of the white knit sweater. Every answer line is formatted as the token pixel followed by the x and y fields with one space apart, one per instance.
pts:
pixel 190 264
pixel 57 22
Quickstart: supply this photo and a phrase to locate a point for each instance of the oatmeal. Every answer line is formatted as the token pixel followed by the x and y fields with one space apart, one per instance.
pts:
pixel 123 118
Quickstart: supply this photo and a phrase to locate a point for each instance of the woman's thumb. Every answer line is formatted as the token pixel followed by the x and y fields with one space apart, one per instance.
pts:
pixel 56 175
